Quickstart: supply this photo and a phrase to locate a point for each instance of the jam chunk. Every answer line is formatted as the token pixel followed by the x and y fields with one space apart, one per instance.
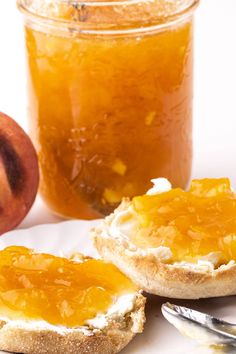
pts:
pixel 192 224
pixel 58 290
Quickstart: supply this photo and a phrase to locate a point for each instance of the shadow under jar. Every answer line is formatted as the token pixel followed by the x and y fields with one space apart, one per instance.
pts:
pixel 110 98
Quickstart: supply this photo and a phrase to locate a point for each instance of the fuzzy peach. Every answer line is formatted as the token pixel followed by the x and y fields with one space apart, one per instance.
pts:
pixel 19 174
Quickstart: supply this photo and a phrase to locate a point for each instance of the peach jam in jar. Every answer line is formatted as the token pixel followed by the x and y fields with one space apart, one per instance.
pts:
pixel 110 98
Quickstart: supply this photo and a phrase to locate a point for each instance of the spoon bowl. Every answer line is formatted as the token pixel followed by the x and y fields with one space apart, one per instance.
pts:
pixel 202 327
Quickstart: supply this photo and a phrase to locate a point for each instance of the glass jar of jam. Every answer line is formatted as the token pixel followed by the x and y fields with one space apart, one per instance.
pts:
pixel 110 98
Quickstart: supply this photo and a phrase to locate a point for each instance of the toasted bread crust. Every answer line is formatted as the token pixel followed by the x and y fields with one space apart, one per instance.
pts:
pixel 112 339
pixel 162 279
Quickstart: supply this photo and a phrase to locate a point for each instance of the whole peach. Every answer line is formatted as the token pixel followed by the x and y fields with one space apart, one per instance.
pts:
pixel 19 174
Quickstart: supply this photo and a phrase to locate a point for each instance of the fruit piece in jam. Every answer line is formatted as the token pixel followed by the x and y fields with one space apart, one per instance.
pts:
pixel 192 224
pixel 58 290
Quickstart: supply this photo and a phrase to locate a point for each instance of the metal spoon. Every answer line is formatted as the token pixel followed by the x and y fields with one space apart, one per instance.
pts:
pixel 200 326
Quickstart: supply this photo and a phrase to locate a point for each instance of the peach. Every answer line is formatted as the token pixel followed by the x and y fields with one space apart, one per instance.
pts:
pixel 19 174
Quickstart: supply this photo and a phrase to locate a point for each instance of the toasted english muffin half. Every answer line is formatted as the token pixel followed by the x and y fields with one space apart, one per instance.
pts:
pixel 106 334
pixel 41 338
pixel 152 268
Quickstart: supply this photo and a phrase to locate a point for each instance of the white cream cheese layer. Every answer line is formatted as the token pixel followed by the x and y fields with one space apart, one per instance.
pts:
pixel 124 222
pixel 160 185
pixel 119 309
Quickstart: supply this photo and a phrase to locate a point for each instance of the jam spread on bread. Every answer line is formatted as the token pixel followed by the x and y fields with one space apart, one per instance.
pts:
pixel 192 224
pixel 58 290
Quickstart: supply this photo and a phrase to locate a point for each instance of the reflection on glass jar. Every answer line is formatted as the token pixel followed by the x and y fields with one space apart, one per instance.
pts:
pixel 110 98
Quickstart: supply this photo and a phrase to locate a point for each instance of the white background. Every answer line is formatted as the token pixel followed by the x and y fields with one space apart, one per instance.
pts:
pixel 214 128
pixel 215 88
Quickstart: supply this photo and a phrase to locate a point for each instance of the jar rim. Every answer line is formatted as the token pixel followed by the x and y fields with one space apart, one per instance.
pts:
pixel 106 17
pixel 189 4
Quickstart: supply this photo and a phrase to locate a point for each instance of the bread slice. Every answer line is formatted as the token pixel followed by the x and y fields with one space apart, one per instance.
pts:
pixel 149 270
pixel 107 337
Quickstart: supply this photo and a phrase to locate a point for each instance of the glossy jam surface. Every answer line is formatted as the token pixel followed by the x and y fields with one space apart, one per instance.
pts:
pixel 193 223
pixel 108 113
pixel 57 290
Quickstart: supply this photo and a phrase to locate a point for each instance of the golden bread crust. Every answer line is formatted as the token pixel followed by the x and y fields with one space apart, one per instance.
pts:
pixel 158 278
pixel 20 339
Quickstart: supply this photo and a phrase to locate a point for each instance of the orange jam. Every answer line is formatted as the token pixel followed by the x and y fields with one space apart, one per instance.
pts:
pixel 193 223
pixel 57 290
pixel 110 110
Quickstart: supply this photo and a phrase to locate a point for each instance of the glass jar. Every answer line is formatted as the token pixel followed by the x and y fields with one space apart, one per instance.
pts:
pixel 110 98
